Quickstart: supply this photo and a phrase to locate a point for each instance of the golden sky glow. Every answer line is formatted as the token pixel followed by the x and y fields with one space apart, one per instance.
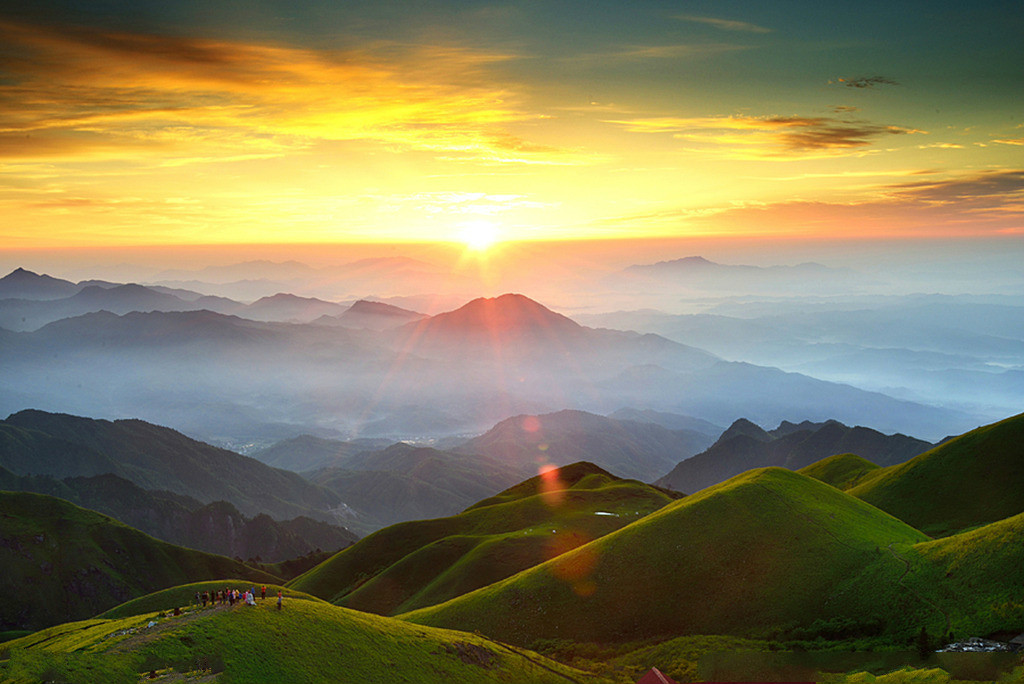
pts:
pixel 640 123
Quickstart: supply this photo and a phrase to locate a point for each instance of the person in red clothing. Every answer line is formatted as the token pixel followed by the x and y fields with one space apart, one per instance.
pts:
pixel 263 592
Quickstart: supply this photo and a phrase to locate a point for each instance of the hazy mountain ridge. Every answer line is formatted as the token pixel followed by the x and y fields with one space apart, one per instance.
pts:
pixel 626 448
pixel 965 352
pixel 155 457
pixel 745 446
pixel 405 482
pixel 489 359
pixel 216 527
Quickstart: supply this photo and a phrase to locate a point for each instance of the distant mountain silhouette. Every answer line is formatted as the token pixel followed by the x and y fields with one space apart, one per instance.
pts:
pixel 514 329
pixel 308 452
pixel 505 319
pixel 375 316
pixel 672 421
pixel 406 482
pixel 699 273
pixel 745 446
pixel 458 372
pixel 155 457
pixel 289 307
pixel 623 447
pixel 24 284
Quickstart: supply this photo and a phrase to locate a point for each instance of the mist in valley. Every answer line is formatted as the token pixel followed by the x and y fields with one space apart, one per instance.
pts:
pixel 248 353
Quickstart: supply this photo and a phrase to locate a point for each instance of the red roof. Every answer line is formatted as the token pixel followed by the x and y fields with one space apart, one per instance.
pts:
pixel 655 676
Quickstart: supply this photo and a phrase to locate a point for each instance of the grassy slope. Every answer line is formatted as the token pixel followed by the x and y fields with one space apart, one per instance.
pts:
pixel 968 583
pixel 62 562
pixel 762 551
pixel 842 471
pixel 420 563
pixel 975 479
pixel 307 641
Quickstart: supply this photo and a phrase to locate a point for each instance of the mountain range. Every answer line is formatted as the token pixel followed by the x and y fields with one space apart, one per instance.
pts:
pixel 216 527
pixel 745 446
pixel 412 377
pixel 627 448
pixel 155 457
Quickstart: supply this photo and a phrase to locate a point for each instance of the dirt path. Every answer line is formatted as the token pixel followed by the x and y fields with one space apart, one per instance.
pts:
pixel 922 599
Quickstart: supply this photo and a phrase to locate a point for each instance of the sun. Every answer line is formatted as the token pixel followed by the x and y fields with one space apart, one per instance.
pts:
pixel 479 234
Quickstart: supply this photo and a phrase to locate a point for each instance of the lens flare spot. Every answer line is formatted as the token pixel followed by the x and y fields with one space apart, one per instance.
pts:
pixel 573 568
pixel 551 489
pixel 531 424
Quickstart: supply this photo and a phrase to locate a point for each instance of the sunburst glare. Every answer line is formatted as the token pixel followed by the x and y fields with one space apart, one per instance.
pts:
pixel 479 234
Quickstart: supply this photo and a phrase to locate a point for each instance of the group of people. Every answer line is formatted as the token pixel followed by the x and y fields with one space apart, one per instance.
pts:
pixel 231 596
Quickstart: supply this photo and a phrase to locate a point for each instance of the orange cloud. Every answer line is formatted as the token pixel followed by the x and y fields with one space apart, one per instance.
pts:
pixel 750 137
pixel 77 92
pixel 968 205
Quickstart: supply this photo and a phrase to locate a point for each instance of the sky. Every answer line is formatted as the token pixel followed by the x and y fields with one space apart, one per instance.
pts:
pixel 144 122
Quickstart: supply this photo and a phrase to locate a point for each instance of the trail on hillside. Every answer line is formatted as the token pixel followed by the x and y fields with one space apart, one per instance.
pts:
pixel 899 580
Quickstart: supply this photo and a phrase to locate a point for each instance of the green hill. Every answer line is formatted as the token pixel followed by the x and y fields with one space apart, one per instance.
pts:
pixel 421 563
pixel 306 641
pixel 968 583
pixel 842 471
pixel 974 479
pixel 62 562
pixel 761 552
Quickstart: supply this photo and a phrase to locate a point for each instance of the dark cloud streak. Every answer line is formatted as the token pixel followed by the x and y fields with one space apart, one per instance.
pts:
pixel 866 82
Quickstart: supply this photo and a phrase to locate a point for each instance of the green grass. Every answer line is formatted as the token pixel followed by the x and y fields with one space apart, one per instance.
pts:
pixel 842 471
pixel 183 596
pixel 420 563
pixel 759 553
pixel 968 584
pixel 972 480
pixel 64 562
pixel 307 641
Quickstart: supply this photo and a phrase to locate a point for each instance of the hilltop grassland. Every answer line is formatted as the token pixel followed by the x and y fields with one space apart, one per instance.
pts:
pixel 62 562
pixel 306 641
pixel 759 553
pixel 974 479
pixel 421 563
pixel 842 471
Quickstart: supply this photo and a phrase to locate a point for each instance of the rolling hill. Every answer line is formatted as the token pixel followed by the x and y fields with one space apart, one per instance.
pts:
pixel 763 551
pixel 745 446
pixel 842 471
pixel 306 641
pixel 62 562
pixel 425 562
pixel 974 479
